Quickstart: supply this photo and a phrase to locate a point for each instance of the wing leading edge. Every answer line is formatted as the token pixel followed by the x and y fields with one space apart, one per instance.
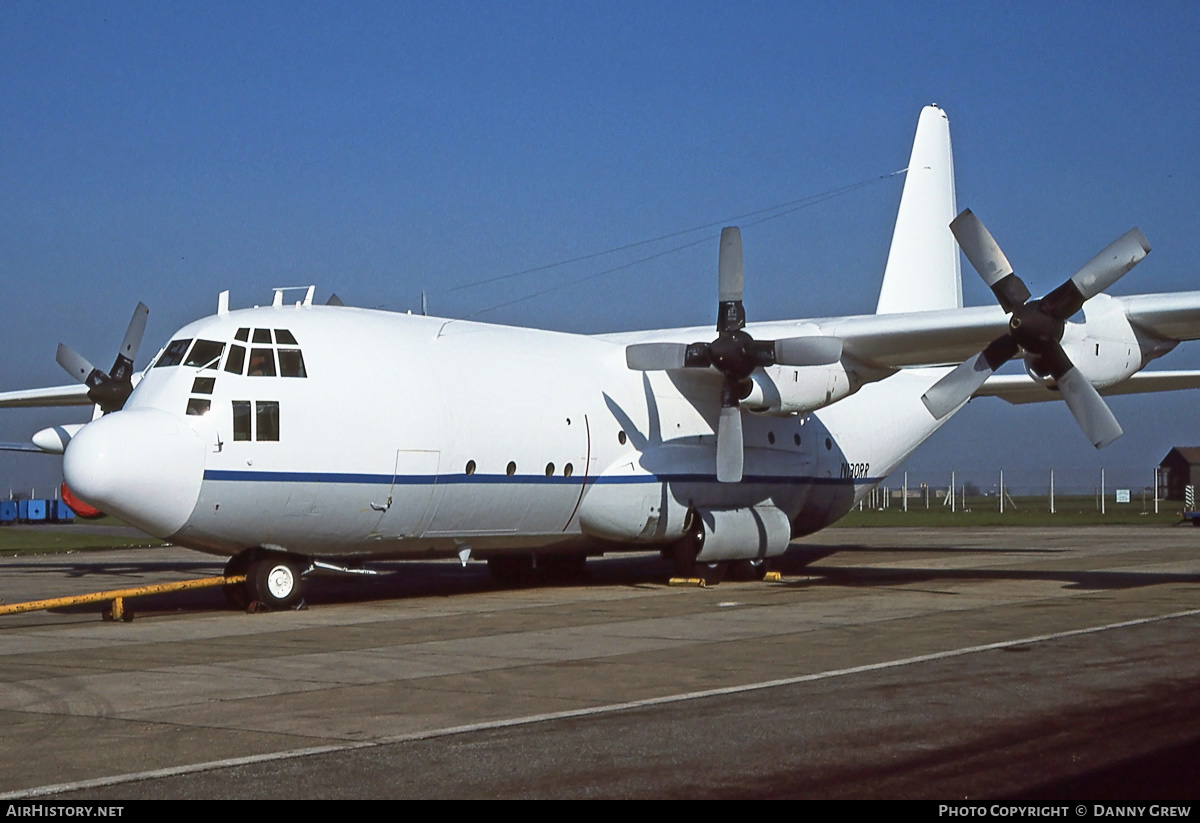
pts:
pixel 76 395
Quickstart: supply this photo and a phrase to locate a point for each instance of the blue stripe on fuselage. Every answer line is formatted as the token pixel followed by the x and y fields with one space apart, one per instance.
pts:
pixel 525 479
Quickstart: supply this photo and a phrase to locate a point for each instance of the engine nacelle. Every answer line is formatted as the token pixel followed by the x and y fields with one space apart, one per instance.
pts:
pixel 742 534
pixel 637 512
pixel 1105 348
pixel 790 390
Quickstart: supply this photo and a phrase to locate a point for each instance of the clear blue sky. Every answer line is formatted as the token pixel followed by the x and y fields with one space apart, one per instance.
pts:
pixel 165 151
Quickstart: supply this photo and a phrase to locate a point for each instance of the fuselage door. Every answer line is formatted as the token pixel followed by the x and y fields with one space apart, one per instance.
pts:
pixel 410 504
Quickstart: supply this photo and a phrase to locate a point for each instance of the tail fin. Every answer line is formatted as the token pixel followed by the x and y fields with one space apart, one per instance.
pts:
pixel 923 265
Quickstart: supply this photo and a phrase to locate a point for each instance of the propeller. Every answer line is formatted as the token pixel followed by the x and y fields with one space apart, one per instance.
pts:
pixel 111 390
pixel 735 354
pixel 1037 326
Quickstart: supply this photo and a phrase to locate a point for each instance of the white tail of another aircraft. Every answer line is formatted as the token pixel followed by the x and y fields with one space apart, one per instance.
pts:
pixel 923 272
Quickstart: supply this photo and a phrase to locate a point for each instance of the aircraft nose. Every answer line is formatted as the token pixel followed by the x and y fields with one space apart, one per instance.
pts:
pixel 142 465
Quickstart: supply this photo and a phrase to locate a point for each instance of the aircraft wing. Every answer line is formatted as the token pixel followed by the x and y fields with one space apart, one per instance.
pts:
pixel 76 395
pixel 917 338
pixel 883 340
pixel 953 335
pixel 20 447
pixel 1170 316
pixel 943 337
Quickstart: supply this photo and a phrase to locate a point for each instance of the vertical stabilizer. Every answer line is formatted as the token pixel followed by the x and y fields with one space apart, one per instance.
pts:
pixel 923 265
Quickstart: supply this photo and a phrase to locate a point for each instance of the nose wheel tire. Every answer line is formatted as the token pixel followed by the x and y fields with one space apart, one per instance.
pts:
pixel 275 582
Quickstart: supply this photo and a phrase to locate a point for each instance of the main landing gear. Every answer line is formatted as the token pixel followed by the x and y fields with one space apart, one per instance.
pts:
pixel 685 551
pixel 273 579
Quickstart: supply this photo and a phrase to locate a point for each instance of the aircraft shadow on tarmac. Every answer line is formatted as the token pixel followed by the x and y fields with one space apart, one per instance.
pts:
pixel 414 580
pixel 801 563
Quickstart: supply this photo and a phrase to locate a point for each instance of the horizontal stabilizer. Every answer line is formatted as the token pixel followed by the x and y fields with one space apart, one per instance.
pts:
pixel 1020 388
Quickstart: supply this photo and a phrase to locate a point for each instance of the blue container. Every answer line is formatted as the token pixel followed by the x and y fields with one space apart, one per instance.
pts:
pixel 61 512
pixel 31 511
pixel 8 511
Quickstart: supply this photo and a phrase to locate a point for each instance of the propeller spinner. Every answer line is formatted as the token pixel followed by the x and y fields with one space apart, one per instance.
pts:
pixel 1036 326
pixel 109 391
pixel 734 353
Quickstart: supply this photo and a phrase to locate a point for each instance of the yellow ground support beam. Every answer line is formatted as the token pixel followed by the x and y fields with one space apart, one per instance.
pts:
pixel 117 596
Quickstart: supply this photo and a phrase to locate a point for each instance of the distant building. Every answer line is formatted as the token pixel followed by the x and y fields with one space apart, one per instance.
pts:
pixel 1181 467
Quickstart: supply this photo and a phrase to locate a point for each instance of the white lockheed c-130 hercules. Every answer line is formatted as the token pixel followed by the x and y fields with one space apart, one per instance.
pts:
pixel 267 435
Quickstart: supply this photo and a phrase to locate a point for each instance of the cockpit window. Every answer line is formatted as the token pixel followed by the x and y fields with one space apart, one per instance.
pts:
pixel 236 359
pixel 173 354
pixel 270 359
pixel 262 363
pixel 205 354
pixel 291 363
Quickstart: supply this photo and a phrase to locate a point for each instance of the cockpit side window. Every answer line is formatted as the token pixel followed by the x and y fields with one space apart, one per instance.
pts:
pixel 243 334
pixel 173 354
pixel 205 354
pixel 199 406
pixel 241 419
pixel 266 413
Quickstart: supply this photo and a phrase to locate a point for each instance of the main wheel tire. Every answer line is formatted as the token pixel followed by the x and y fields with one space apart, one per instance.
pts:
pixel 755 569
pixel 275 582
pixel 238 594
pixel 712 573
pixel 688 547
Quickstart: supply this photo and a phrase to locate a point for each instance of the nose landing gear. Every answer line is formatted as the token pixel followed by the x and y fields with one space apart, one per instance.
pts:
pixel 273 580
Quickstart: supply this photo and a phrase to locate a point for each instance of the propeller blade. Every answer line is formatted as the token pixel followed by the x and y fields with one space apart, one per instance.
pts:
pixel 956 388
pixel 980 247
pixel 816 350
pixel 656 356
pixel 1091 412
pixel 1110 265
pixel 76 364
pixel 132 342
pixel 985 257
pixel 729 445
pixel 729 267
pixel 133 334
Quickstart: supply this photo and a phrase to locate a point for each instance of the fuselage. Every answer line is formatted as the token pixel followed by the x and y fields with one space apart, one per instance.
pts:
pixel 333 431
